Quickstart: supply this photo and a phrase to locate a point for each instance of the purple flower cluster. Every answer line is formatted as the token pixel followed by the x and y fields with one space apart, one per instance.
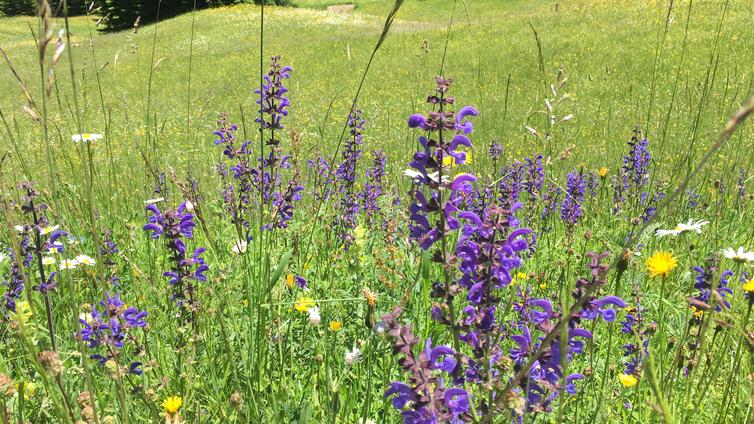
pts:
pixel 348 208
pixel 478 270
pixel 373 189
pixel 109 328
pixel 571 207
pixel 425 397
pixel 14 286
pixel 704 283
pixel 175 226
pixel 445 133
pixel 634 325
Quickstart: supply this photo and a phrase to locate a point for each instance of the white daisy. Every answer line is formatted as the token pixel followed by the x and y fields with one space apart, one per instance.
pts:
pixel 739 256
pixel 68 264
pixel 85 260
pixel 48 229
pixel 86 137
pixel 48 260
pixel 689 226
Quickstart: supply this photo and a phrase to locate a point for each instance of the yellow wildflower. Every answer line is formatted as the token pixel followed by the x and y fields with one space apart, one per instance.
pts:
pixel 518 278
pixel 627 380
pixel 661 263
pixel 335 326
pixel 289 281
pixel 172 404
pixel 303 304
pixel 749 286
pixel 450 161
pixel 602 172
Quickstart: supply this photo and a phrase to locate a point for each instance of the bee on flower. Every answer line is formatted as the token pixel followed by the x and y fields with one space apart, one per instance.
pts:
pixel 689 226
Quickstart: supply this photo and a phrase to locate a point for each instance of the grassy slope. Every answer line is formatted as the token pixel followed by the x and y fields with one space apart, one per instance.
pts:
pixel 607 51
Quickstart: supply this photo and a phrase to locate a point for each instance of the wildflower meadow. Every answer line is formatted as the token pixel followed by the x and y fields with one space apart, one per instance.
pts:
pixel 377 211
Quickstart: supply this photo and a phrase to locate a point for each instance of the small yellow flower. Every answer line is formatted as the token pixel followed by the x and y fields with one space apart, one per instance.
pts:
pixel 303 304
pixel 359 235
pixel 172 404
pixel 29 389
pixel 697 313
pixel 450 161
pixel 749 286
pixel 335 326
pixel 661 263
pixel 518 278
pixel 289 281
pixel 627 380
pixel 602 172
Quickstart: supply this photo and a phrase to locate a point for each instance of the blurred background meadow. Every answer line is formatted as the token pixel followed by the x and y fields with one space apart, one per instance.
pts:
pixel 293 318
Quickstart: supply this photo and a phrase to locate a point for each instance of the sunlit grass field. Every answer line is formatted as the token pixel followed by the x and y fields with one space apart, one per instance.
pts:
pixel 570 80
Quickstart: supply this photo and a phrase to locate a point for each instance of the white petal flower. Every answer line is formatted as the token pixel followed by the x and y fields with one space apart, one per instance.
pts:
pixel 48 260
pixel 48 229
pixel 85 260
pixel 689 226
pixel 353 356
pixel 3 257
pixel 738 256
pixel 86 137
pixel 68 264
pixel 435 176
pixel 189 206
pixel 239 247
pixel 314 317
pixel 19 228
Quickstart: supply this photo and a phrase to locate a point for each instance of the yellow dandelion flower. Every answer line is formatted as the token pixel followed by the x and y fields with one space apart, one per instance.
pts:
pixel 335 326
pixel 602 172
pixel 172 404
pixel 749 286
pixel 303 304
pixel 661 263
pixel 627 380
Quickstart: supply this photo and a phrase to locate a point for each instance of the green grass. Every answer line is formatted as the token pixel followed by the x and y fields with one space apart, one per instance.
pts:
pixel 626 64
